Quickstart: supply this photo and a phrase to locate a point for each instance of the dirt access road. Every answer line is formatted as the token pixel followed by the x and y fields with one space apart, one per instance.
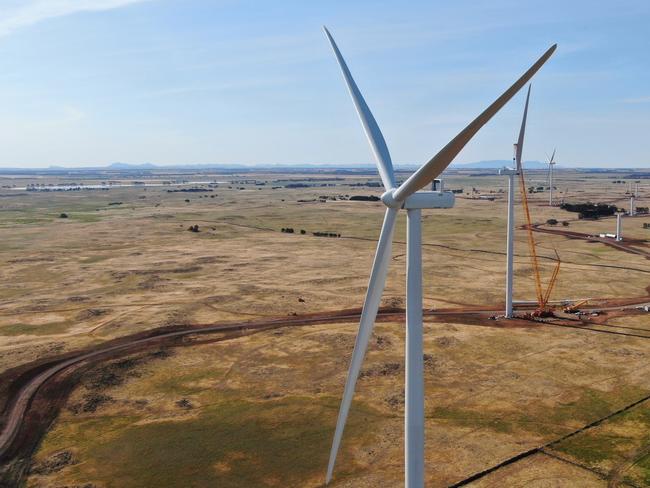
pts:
pixel 34 393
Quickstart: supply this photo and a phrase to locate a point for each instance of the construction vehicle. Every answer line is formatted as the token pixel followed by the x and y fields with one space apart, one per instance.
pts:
pixel 575 307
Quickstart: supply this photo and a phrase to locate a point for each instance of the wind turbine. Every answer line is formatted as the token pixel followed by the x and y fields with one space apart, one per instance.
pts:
pixel 405 196
pixel 551 163
pixel 510 173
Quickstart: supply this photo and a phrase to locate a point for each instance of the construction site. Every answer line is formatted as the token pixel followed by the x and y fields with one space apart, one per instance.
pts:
pixel 140 348
pixel 221 265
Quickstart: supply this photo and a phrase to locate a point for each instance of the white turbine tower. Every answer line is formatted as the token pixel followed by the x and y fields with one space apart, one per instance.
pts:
pixel 510 173
pixel 510 248
pixel 619 230
pixel 551 163
pixel 405 196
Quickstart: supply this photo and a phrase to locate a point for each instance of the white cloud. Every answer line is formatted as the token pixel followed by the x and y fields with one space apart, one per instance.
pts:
pixel 20 13
pixel 637 100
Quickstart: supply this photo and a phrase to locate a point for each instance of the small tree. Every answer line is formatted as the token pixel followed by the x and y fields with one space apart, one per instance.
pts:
pixel 63 216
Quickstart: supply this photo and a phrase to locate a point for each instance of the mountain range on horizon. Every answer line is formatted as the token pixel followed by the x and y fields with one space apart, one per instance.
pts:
pixel 119 166
pixel 486 164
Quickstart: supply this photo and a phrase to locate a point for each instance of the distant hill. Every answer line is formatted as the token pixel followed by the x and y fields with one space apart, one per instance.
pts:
pixel 498 163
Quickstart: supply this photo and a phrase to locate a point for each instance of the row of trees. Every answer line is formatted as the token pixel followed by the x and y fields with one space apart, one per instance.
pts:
pixel 290 230
pixel 590 210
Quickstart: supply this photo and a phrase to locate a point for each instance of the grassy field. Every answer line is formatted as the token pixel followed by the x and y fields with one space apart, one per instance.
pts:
pixel 261 410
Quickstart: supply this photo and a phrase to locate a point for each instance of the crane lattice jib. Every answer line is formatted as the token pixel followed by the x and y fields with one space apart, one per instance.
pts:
pixel 531 241
pixel 552 281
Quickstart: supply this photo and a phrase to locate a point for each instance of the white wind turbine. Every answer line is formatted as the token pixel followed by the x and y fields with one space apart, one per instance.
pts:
pixel 551 163
pixel 405 196
pixel 511 173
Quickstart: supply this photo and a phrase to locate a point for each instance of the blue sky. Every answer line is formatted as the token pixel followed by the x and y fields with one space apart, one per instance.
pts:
pixel 90 82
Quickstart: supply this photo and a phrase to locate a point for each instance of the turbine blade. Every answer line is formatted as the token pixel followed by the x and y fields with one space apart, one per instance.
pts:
pixel 368 315
pixel 374 135
pixel 550 162
pixel 522 132
pixel 436 165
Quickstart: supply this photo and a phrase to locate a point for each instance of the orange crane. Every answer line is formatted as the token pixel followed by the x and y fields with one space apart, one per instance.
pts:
pixel 542 296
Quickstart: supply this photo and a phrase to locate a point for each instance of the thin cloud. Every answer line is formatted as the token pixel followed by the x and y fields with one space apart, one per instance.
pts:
pixel 26 13
pixel 637 100
pixel 241 84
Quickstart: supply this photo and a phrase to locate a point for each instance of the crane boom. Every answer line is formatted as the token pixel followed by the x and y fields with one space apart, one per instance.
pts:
pixel 542 296
pixel 531 238
pixel 552 281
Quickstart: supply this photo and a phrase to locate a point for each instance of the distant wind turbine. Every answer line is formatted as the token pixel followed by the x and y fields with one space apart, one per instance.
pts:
pixel 551 163
pixel 408 197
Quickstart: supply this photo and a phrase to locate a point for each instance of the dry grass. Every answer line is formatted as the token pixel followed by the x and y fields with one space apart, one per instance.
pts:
pixel 264 407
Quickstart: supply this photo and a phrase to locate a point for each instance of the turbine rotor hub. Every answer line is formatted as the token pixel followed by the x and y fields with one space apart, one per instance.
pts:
pixel 389 199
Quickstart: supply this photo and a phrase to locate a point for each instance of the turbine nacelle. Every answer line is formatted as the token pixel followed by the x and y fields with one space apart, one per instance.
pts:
pixel 420 199
pixel 508 171
pixel 430 199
